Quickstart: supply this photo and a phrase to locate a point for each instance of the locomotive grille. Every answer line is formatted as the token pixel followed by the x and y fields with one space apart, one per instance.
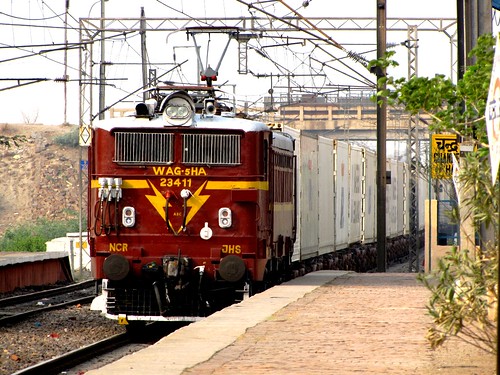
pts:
pixel 211 149
pixel 132 302
pixel 143 148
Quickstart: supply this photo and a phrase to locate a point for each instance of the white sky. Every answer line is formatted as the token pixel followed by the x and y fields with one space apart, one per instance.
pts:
pixel 43 102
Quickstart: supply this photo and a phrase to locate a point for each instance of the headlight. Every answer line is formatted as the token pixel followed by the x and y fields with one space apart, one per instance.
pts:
pixel 225 217
pixel 128 216
pixel 178 109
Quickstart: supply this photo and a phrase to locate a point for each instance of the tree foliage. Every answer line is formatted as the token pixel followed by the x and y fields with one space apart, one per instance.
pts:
pixel 464 287
pixel 457 108
pixel 32 237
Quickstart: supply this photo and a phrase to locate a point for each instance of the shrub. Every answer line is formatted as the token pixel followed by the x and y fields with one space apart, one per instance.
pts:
pixel 32 237
pixel 69 139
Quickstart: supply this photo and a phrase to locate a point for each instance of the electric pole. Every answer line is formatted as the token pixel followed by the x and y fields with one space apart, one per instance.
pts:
pixel 102 67
pixel 381 140
pixel 144 55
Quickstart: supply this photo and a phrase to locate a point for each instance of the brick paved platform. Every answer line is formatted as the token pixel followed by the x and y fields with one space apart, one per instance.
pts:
pixel 328 322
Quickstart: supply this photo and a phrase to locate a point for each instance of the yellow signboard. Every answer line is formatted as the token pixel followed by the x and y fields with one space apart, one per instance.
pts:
pixel 85 135
pixel 442 148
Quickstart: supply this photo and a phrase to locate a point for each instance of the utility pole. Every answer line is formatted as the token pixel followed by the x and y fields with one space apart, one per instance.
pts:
pixel 65 78
pixel 381 140
pixel 474 20
pixel 102 67
pixel 460 39
pixel 144 55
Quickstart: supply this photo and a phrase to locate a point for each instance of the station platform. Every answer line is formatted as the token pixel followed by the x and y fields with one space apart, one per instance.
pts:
pixel 22 269
pixel 326 322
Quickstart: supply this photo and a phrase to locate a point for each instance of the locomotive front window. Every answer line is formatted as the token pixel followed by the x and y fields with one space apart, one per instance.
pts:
pixel 143 148
pixel 211 149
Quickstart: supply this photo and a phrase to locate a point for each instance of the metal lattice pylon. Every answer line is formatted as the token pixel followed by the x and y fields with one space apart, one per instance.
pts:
pixel 242 56
pixel 413 160
pixel 85 133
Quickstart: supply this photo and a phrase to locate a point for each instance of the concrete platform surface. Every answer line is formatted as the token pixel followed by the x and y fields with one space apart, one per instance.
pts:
pixel 12 257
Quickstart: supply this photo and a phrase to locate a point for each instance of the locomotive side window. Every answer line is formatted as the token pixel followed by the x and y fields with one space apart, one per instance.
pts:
pixel 266 150
pixel 211 149
pixel 283 176
pixel 143 148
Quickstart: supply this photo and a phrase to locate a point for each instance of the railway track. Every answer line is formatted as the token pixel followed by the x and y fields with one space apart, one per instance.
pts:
pixel 17 308
pixel 149 335
pixel 75 357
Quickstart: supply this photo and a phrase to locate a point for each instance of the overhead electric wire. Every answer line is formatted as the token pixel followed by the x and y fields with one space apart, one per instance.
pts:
pixel 135 92
pixel 42 53
pixel 328 40
pixel 351 54
pixel 25 84
pixel 29 18
pixel 284 71
pixel 7 46
pixel 39 53
pixel 292 74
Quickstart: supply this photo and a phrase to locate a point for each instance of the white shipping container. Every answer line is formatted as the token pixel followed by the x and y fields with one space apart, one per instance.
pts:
pixel 355 194
pixel 370 197
pixel 342 195
pixel 391 199
pixel 296 135
pixel 400 222
pixel 309 197
pixel 326 185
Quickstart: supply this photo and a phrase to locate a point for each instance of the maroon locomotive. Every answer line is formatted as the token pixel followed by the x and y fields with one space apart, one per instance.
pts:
pixel 190 207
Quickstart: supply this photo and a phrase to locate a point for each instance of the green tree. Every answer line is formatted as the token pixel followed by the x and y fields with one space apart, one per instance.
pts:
pixel 32 237
pixel 464 287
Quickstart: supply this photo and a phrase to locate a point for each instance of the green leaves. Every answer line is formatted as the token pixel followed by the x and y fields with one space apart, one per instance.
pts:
pixel 457 108
pixel 459 302
pixel 464 286
pixel 33 237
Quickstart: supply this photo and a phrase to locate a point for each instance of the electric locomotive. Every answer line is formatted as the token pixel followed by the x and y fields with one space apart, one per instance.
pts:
pixel 190 207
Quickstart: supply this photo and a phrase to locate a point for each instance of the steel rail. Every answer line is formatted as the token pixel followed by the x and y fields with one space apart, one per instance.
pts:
pixel 76 357
pixel 8 319
pixel 45 293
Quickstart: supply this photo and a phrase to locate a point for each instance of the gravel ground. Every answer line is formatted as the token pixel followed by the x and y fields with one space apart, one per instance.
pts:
pixel 51 334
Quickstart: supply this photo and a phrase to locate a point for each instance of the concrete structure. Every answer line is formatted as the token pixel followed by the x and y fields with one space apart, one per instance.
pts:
pixel 347 118
pixel 21 269
pixel 79 256
pixel 433 251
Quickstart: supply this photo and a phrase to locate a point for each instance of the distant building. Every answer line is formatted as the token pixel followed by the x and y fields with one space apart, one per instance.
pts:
pixel 342 117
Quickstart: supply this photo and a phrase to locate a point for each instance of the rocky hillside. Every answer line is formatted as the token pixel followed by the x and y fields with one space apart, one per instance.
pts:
pixel 38 179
